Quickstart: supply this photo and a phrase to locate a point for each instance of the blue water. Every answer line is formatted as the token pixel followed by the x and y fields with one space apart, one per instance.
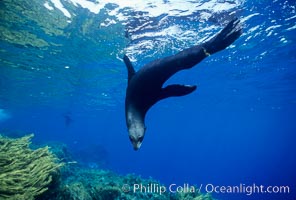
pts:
pixel 238 127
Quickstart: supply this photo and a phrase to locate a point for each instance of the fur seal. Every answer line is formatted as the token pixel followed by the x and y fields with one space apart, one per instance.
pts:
pixel 144 87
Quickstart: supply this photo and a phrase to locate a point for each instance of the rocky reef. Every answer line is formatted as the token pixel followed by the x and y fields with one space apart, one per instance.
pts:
pixel 38 174
pixel 95 184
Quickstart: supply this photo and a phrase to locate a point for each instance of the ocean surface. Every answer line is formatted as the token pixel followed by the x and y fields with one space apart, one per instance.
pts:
pixel 62 78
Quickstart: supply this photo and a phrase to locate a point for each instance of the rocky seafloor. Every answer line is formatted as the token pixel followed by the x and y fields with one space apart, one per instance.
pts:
pixel 43 172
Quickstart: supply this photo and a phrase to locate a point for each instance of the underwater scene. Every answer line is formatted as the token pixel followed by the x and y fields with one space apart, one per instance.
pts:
pixel 83 81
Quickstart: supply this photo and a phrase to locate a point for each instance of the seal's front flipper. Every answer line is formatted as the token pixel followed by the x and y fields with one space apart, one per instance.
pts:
pixel 129 66
pixel 176 90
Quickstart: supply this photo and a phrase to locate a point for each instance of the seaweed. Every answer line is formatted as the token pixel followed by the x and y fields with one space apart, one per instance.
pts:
pixel 25 173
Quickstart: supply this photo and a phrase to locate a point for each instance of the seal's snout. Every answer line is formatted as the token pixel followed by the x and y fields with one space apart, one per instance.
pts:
pixel 137 145
pixel 136 142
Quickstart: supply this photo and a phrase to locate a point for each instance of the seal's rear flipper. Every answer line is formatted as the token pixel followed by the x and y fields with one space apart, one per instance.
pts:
pixel 176 90
pixel 129 66
pixel 225 38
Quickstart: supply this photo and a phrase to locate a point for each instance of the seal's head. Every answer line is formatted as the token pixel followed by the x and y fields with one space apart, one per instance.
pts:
pixel 136 136
pixel 136 130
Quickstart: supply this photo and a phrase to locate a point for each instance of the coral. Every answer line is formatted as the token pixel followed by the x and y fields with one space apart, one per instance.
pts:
pixel 25 173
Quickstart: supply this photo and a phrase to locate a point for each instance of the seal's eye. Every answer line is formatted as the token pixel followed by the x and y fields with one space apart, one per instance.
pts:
pixel 141 139
pixel 131 139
